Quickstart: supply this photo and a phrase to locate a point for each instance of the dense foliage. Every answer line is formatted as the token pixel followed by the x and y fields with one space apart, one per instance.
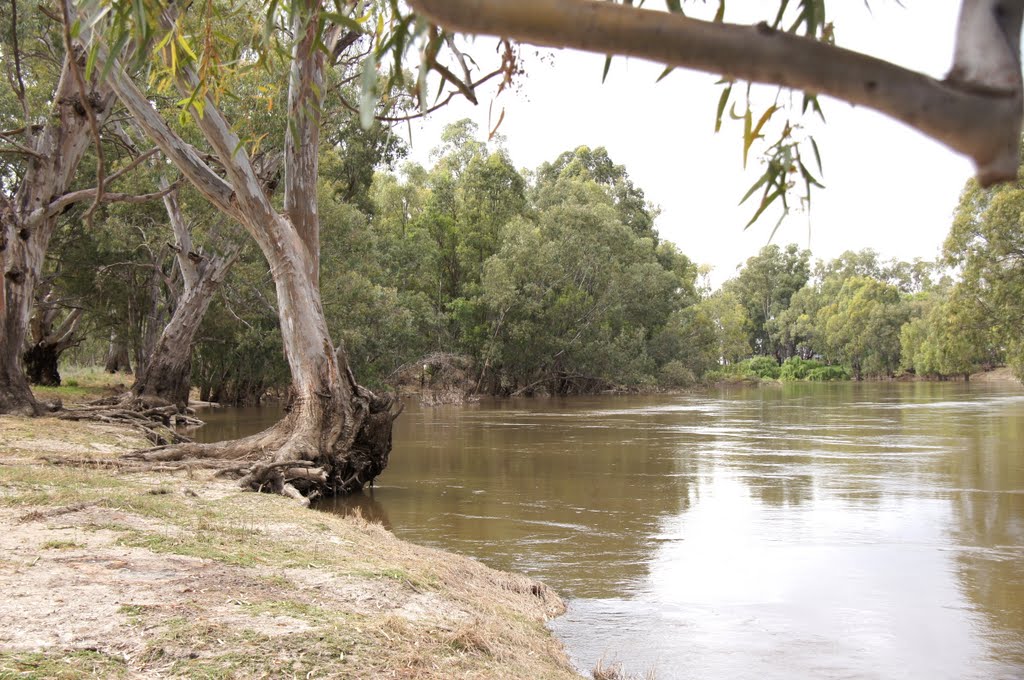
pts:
pixel 555 282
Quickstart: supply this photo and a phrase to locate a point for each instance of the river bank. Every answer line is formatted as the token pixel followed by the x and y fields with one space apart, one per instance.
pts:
pixel 116 572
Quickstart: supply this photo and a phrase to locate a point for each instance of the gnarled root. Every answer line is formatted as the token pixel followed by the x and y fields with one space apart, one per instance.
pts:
pixel 313 451
pixel 157 422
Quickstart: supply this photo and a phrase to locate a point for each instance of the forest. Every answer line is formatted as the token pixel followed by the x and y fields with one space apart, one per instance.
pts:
pixel 552 281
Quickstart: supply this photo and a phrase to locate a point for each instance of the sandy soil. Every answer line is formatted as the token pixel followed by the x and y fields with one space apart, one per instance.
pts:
pixel 108 572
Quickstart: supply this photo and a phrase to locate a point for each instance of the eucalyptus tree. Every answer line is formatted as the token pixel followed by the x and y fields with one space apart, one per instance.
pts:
pixel 765 284
pixel 595 165
pixel 986 246
pixel 51 113
pixel 53 329
pixel 953 336
pixel 574 298
pixel 337 435
pixel 861 326
pixel 165 376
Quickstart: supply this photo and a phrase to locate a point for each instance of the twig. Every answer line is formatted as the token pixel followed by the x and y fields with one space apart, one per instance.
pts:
pixel 37 515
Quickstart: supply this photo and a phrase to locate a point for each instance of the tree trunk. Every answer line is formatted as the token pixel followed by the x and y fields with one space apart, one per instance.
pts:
pixel 342 428
pixel 28 220
pixel 118 357
pixel 22 262
pixel 167 375
pixel 337 436
pixel 41 365
pixel 48 340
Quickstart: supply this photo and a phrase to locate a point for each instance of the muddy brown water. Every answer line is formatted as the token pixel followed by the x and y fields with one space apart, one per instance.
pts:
pixel 794 531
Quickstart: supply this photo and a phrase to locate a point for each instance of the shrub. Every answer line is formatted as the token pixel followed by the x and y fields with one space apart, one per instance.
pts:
pixel 795 368
pixel 828 374
pixel 765 368
pixel 676 374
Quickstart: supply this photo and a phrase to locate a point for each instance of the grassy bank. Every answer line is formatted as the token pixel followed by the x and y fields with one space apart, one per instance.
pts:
pixel 80 384
pixel 115 573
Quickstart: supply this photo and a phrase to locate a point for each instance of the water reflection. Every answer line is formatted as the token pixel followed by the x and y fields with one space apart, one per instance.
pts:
pixel 872 530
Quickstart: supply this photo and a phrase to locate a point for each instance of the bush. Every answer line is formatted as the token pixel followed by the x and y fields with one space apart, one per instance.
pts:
pixel 828 374
pixel 795 368
pixel 676 374
pixel 765 368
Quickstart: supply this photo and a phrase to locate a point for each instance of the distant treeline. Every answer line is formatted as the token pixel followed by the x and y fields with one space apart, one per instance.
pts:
pixel 550 282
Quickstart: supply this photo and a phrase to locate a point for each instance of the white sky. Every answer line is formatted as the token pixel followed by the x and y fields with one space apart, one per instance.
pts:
pixel 888 187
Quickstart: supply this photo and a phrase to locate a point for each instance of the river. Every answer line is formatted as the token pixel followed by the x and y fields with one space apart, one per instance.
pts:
pixel 783 531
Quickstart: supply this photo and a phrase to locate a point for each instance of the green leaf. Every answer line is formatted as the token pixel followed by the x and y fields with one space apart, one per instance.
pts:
pixel 782 10
pixel 757 185
pixel 90 61
pixel 268 24
pixel 764 119
pixel 765 202
pixel 185 46
pixel 748 137
pixel 817 156
pixel 607 65
pixel 345 21
pixel 722 102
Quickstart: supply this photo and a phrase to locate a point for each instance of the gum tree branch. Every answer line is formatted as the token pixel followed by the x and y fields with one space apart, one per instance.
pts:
pixel 977 111
pixel 107 197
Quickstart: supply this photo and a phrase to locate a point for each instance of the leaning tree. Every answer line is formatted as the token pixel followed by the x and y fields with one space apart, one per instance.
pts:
pixel 337 435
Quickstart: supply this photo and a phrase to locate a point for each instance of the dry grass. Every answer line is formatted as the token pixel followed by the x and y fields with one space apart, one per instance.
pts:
pixel 117 574
pixel 604 670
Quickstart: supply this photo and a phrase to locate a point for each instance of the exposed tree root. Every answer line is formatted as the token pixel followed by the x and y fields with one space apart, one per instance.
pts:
pixel 157 419
pixel 315 450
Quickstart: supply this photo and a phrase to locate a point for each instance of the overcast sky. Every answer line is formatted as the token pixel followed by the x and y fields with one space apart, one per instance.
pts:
pixel 888 187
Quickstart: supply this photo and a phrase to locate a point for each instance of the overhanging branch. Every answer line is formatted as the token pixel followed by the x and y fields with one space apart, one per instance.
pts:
pixel 973 118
